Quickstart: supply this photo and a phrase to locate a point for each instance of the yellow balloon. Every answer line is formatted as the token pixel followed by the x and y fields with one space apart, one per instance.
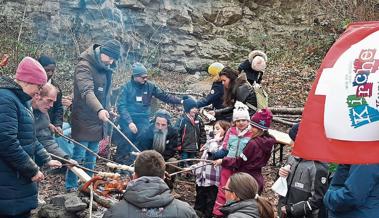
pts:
pixel 215 68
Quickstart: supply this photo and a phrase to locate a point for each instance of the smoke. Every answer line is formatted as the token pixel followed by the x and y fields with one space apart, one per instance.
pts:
pixel 159 143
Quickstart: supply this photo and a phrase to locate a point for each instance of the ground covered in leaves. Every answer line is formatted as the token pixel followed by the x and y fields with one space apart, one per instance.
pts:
pixel 286 87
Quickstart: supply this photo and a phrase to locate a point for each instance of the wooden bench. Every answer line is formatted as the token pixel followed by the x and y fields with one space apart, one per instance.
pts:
pixel 282 139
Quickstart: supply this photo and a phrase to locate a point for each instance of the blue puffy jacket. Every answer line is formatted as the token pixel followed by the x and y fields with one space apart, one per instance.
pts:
pixel 135 101
pixel 354 192
pixel 18 150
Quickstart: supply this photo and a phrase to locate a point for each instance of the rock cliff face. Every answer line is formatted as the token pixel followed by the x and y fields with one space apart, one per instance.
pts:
pixel 181 36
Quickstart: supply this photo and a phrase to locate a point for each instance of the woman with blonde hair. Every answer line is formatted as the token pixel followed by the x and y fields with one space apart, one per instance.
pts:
pixel 242 199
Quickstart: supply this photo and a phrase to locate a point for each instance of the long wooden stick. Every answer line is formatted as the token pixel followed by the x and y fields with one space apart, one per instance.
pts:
pixel 186 170
pixel 123 135
pixel 189 159
pixel 85 147
pixel 76 165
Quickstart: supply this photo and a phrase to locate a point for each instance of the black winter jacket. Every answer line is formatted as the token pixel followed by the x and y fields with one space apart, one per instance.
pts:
pixel 18 150
pixel 149 197
pixel 145 141
pixel 44 135
pixel 252 75
pixel 190 137
pixel 135 101
pixel 307 184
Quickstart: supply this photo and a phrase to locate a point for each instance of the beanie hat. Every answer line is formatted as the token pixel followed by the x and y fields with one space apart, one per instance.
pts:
pixel 188 104
pixel 258 60
pixel 293 131
pixel 240 112
pixel 262 119
pixel 164 114
pixel 138 70
pixel 45 60
pixel 31 71
pixel 111 48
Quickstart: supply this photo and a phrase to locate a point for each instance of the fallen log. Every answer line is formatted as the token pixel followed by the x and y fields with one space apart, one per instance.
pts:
pixel 287 110
pixel 278 120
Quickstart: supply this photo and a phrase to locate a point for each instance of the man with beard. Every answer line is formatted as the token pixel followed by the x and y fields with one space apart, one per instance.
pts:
pixel 160 136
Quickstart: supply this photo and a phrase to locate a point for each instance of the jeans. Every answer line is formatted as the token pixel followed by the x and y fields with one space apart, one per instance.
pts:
pixel 64 144
pixel 83 158
pixel 187 155
pixel 123 155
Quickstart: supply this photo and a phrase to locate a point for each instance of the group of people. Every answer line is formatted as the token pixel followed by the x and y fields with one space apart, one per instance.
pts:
pixel 229 180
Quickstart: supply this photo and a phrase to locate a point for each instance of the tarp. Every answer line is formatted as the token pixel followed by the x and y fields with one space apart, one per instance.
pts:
pixel 340 122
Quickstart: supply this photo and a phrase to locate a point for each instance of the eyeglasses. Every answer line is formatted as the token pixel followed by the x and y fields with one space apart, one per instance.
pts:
pixel 40 87
pixel 224 189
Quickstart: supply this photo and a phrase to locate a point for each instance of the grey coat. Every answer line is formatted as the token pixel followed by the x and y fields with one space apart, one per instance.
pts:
pixel 149 197
pixel 44 135
pixel 241 209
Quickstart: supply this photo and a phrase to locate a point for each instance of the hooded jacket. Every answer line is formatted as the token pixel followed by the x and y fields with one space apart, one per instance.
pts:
pixel 354 192
pixel 18 150
pixel 241 209
pixel 149 197
pixel 253 157
pixel 92 88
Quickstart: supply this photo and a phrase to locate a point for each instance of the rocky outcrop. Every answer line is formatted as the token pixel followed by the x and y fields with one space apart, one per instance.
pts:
pixel 180 36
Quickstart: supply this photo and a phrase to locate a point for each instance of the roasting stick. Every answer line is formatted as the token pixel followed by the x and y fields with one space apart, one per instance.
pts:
pixel 124 136
pixel 85 147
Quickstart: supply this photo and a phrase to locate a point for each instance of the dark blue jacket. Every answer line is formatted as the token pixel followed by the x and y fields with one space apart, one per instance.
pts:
pixel 190 136
pixel 215 97
pixel 354 192
pixel 252 75
pixel 135 101
pixel 145 141
pixel 18 150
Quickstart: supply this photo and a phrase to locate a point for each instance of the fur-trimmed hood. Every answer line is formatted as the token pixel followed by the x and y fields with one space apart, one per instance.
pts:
pixel 255 53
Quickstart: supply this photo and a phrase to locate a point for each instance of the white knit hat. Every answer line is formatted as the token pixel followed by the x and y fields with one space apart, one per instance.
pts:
pixel 240 112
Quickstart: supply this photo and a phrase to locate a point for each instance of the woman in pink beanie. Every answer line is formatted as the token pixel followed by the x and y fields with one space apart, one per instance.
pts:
pixel 31 76
pixel 19 172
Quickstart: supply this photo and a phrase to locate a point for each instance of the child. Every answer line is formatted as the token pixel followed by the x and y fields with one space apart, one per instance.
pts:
pixel 191 132
pixel 307 184
pixel 234 142
pixel 208 176
pixel 257 152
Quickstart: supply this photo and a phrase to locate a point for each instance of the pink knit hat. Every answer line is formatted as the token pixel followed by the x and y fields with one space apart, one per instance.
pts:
pixel 31 71
pixel 262 119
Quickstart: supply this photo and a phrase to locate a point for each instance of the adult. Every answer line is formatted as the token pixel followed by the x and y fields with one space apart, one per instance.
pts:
pixel 160 136
pixel 92 88
pixel 55 112
pixel 19 147
pixel 242 199
pixel 41 105
pixel 147 195
pixel 254 66
pixel 134 106
pixel 236 88
pixel 215 96
pixel 354 192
